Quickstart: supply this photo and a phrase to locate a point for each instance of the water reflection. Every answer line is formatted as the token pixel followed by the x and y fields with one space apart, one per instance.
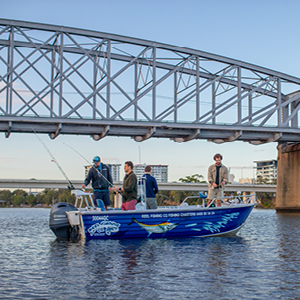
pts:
pixel 289 258
pixel 261 263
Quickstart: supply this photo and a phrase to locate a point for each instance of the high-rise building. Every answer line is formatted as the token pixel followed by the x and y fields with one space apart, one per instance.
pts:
pixel 159 172
pixel 114 171
pixel 266 170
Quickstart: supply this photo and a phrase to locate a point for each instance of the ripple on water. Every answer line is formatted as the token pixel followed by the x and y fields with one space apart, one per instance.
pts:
pixel 262 262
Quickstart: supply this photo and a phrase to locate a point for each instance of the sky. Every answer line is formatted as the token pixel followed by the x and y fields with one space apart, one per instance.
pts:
pixel 264 33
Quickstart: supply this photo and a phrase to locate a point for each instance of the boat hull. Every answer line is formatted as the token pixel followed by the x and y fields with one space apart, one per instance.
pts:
pixel 164 223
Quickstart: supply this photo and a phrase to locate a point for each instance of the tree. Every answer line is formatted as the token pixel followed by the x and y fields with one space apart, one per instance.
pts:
pixel 179 196
pixel 65 196
pixel 266 200
pixel 6 196
pixel 31 200
pixel 261 180
pixel 164 198
pixel 18 200
pixel 194 178
pixel 19 192
pixel 48 196
pixel 18 197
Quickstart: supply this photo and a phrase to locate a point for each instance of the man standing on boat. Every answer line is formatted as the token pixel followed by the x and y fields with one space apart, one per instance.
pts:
pixel 217 178
pixel 129 189
pixel 151 189
pixel 101 179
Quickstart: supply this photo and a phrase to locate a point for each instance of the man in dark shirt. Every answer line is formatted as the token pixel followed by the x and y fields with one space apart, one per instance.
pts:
pixel 101 179
pixel 151 189
pixel 129 190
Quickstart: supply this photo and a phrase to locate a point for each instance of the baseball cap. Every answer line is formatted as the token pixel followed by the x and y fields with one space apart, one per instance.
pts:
pixel 96 159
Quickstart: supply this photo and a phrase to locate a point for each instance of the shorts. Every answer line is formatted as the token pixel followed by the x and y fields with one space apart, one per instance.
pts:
pixel 151 203
pixel 104 196
pixel 129 205
pixel 213 193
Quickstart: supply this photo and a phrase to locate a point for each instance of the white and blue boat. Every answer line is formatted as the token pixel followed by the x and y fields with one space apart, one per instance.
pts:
pixel 85 221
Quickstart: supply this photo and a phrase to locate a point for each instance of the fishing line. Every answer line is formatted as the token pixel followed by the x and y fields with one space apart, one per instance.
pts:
pixel 71 187
pixel 99 173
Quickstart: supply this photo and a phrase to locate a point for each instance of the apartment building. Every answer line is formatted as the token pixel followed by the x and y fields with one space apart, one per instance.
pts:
pixel 266 170
pixel 114 170
pixel 159 172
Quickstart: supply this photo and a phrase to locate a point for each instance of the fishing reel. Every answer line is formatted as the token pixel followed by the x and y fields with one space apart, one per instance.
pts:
pixel 218 186
pixel 71 187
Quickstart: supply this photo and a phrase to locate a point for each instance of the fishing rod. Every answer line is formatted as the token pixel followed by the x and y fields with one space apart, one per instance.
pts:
pixel 70 186
pixel 99 173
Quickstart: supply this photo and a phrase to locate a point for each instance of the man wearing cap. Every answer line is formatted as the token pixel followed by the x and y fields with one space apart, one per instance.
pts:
pixel 101 179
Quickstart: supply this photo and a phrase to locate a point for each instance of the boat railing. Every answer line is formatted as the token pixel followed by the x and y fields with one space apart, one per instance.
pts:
pixel 234 200
pixel 226 200
pixel 84 200
pixel 142 189
pixel 185 203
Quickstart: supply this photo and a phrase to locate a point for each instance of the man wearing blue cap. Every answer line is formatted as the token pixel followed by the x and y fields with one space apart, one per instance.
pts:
pixel 101 179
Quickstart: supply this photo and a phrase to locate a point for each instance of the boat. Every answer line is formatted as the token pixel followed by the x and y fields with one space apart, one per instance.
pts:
pixel 85 221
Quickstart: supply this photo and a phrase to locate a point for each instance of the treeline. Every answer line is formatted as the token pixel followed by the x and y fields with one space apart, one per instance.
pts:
pixel 46 197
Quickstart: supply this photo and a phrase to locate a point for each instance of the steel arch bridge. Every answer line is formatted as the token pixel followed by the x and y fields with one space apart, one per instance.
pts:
pixel 61 80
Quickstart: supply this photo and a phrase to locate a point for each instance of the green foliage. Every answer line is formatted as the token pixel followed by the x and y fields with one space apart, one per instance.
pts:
pixel 18 200
pixel 179 196
pixel 261 180
pixel 49 196
pixel 65 196
pixel 194 178
pixel 46 197
pixel 164 198
pixel 6 196
pixel 31 200
pixel 265 200
pixel 18 197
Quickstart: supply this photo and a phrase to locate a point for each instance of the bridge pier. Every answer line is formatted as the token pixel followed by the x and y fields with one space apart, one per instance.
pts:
pixel 288 178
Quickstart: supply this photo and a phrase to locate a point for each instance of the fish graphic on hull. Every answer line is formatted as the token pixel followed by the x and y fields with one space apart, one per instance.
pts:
pixel 156 228
pixel 106 227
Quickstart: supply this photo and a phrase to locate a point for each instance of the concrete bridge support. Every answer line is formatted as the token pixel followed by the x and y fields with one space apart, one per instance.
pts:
pixel 288 178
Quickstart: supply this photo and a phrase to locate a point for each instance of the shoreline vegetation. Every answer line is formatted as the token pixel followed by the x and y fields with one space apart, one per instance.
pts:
pixel 48 197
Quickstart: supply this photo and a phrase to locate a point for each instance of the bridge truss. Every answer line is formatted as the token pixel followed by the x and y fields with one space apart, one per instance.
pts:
pixel 60 80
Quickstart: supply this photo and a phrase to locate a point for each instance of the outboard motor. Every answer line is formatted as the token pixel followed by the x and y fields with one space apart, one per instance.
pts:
pixel 59 222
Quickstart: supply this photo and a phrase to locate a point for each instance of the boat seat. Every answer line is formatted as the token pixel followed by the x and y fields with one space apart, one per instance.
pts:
pixel 202 195
pixel 140 206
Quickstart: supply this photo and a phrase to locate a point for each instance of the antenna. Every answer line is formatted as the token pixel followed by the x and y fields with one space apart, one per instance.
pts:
pixel 140 156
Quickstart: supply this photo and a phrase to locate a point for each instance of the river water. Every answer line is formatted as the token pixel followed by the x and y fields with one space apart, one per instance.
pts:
pixel 261 262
